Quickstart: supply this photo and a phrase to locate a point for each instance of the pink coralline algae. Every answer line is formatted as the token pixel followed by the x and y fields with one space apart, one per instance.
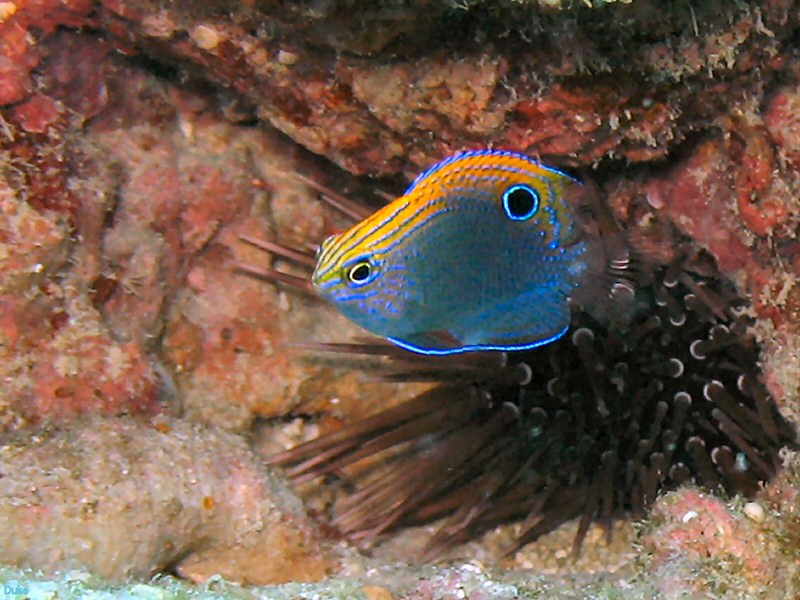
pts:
pixel 734 546
pixel 155 186
pixel 735 195
pixel 19 54
pixel 57 360
pixel 782 120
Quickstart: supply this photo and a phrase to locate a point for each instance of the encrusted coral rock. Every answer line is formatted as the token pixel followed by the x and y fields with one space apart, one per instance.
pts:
pixel 127 498
pixel 32 244
pixel 699 545
pixel 56 359
pixel 691 527
pixel 538 79
pixel 18 44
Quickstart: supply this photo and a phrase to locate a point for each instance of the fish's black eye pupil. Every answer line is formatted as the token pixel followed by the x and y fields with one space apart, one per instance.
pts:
pixel 360 272
pixel 520 202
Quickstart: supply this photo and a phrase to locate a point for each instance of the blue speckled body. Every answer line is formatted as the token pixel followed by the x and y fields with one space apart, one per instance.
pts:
pixel 482 252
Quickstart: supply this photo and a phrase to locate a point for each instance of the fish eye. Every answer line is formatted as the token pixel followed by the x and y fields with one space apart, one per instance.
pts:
pixel 520 202
pixel 360 272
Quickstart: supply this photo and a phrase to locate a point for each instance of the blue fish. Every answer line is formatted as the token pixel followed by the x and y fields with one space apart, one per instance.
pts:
pixel 484 251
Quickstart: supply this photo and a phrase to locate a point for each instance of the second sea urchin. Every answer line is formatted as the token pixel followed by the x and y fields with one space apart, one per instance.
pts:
pixel 591 427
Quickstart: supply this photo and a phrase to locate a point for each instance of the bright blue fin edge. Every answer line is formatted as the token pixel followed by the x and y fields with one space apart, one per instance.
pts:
pixel 477 347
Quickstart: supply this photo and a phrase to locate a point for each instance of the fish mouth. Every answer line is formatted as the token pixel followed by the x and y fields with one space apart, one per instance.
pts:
pixel 315 280
pixel 319 282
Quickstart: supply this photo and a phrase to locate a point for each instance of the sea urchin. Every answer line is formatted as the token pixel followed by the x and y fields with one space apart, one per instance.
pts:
pixel 592 426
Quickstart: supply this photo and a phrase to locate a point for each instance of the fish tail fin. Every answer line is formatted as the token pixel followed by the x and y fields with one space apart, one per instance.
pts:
pixel 607 289
pixel 613 269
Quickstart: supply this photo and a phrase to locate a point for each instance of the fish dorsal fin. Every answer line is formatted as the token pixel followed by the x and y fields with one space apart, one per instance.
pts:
pixel 468 154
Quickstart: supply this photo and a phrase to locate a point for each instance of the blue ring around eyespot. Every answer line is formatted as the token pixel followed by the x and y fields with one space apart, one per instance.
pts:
pixel 534 209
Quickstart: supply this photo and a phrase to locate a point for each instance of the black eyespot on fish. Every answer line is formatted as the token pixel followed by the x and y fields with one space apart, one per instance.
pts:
pixel 360 272
pixel 520 202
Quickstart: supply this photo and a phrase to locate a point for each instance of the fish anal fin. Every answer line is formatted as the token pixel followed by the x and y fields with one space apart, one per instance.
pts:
pixel 430 342
pixel 530 320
